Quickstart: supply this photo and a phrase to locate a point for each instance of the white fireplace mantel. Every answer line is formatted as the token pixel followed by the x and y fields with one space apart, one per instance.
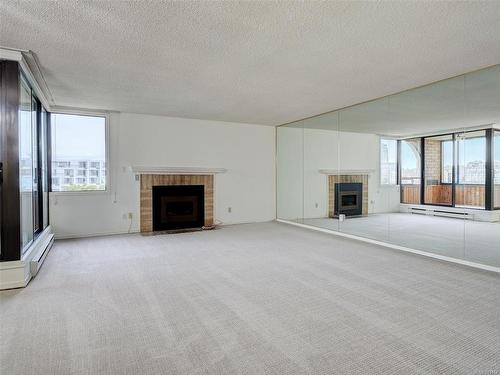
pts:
pixel 176 170
pixel 337 172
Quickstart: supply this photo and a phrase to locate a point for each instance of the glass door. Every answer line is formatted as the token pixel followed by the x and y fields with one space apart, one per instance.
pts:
pixel 410 170
pixel 36 169
pixel 470 185
pixel 33 168
pixel 44 167
pixel 496 169
pixel 26 176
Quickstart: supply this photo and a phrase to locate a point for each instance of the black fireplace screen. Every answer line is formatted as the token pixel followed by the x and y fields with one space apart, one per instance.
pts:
pixel 348 199
pixel 178 207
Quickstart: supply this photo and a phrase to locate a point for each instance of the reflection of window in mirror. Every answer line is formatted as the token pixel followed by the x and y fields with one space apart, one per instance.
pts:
pixel 410 170
pixel 496 164
pixel 388 161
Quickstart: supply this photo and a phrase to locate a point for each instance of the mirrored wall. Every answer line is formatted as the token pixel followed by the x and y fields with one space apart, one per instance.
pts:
pixel 419 169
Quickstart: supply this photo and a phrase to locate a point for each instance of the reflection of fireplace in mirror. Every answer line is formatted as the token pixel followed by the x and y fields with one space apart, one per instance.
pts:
pixel 347 195
pixel 348 199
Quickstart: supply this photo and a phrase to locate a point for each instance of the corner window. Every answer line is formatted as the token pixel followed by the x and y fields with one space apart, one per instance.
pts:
pixel 78 142
pixel 388 161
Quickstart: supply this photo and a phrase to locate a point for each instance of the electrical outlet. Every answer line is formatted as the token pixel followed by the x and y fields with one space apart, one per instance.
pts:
pixel 316 205
pixel 229 209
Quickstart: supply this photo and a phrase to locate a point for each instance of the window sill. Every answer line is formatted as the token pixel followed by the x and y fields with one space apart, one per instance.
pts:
pixel 81 192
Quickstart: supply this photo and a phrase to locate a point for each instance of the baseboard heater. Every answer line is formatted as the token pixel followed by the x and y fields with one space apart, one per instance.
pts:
pixel 433 212
pixel 37 261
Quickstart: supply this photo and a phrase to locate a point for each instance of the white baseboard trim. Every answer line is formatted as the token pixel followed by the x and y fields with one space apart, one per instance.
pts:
pixel 135 231
pixel 13 275
pixel 396 247
pixel 96 234
pixel 17 273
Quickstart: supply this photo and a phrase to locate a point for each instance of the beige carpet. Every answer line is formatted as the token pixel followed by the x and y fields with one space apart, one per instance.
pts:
pixel 249 299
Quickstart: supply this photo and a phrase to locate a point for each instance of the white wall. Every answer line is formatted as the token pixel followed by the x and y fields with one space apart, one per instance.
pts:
pixel 303 191
pixel 247 151
pixel 290 173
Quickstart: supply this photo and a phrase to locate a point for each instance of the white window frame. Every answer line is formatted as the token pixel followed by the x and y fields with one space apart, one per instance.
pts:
pixel 380 162
pixel 106 116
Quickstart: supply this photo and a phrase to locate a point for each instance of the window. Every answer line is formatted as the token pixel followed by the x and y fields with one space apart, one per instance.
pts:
pixel 77 142
pixel 388 161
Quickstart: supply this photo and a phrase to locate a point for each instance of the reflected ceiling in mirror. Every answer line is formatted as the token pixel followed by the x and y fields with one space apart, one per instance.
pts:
pixel 467 101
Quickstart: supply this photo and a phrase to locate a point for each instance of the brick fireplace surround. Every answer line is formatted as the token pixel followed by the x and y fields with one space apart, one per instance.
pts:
pixel 147 181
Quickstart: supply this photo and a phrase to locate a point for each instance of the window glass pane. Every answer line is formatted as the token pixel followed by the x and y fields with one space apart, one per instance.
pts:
pixel 36 172
pixel 496 164
pixel 78 152
pixel 471 170
pixel 45 183
pixel 26 166
pixel 388 161
pixel 410 171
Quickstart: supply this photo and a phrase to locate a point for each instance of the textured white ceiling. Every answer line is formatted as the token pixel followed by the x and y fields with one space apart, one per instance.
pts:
pixel 254 62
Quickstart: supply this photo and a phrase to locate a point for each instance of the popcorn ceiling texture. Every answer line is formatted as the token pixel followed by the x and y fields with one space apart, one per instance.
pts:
pixel 254 62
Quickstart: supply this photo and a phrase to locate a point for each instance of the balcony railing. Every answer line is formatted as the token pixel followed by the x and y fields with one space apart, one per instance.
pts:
pixel 465 195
